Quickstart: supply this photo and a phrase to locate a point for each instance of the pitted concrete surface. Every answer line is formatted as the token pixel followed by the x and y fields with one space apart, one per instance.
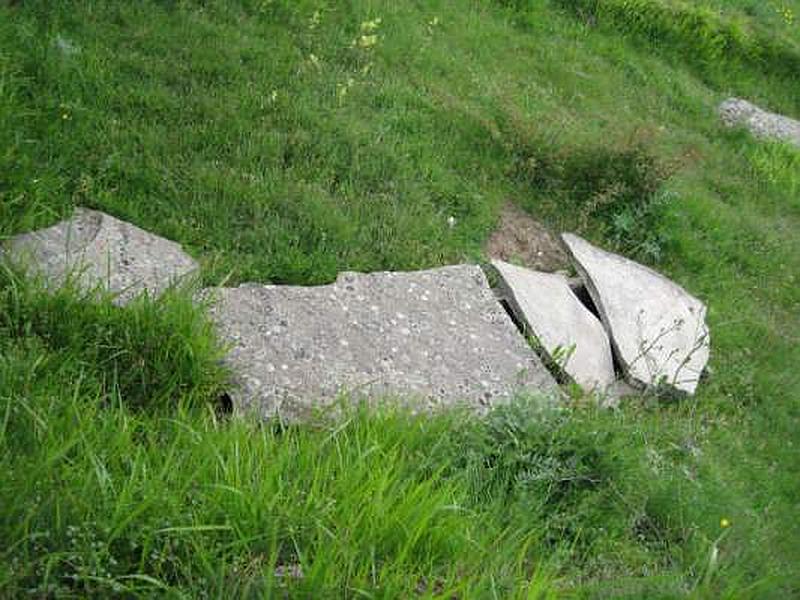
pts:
pixel 570 334
pixel 101 251
pixel 657 328
pixel 763 124
pixel 434 339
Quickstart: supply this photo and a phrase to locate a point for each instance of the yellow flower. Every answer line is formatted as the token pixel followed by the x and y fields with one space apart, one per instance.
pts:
pixel 367 41
pixel 724 523
pixel 370 26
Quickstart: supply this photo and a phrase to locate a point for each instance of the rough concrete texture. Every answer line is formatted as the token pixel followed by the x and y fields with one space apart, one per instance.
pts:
pixel 763 124
pixel 570 334
pixel 101 251
pixel 522 239
pixel 433 339
pixel 657 328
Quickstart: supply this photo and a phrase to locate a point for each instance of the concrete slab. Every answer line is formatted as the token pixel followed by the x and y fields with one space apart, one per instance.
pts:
pixel 571 335
pixel 100 250
pixel 736 112
pixel 656 327
pixel 433 339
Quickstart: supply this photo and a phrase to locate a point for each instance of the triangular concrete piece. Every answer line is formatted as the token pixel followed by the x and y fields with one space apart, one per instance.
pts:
pixel 568 332
pixel 656 327
pixel 433 339
pixel 101 251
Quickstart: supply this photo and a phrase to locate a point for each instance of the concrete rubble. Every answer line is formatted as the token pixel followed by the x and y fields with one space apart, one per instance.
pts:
pixel 100 251
pixel 735 112
pixel 570 334
pixel 657 328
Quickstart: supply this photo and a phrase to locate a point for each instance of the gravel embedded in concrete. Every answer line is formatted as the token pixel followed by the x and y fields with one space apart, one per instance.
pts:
pixel 433 339
pixel 101 251
pixel 736 112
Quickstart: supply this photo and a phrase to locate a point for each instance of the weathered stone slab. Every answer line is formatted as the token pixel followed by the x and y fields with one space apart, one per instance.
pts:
pixel 763 124
pixel 657 328
pixel 570 334
pixel 101 251
pixel 433 338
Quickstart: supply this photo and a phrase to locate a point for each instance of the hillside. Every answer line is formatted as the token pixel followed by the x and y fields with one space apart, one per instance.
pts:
pixel 286 141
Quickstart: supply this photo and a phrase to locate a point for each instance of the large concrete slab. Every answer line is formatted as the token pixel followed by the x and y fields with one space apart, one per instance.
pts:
pixel 656 327
pixel 434 339
pixel 101 251
pixel 763 124
pixel 571 335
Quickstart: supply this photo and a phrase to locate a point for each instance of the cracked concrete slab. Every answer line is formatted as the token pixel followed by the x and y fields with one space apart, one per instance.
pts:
pixel 571 335
pixel 656 327
pixel 433 339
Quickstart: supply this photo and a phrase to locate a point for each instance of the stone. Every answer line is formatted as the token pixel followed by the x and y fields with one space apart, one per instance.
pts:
pixel 571 335
pixel 102 252
pixel 736 112
pixel 522 239
pixel 429 339
pixel 657 328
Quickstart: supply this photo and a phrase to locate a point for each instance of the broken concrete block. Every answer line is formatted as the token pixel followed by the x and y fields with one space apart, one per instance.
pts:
pixel 735 112
pixel 656 327
pixel 101 251
pixel 570 334
pixel 435 339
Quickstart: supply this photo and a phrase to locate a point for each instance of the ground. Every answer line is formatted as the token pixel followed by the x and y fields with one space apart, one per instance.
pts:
pixel 520 239
pixel 286 141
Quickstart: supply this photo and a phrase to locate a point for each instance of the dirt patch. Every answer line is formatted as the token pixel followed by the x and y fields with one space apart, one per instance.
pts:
pixel 522 240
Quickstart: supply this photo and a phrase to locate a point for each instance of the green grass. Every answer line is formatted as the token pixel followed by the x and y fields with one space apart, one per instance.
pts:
pixel 275 149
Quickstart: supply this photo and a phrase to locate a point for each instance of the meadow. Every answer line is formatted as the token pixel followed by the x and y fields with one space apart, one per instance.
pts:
pixel 287 140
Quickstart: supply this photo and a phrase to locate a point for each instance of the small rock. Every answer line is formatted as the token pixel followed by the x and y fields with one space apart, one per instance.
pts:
pixel 547 306
pixel 101 251
pixel 435 337
pixel 735 112
pixel 656 327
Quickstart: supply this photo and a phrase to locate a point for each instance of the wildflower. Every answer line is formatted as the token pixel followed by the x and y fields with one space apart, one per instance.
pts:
pixel 371 26
pixel 314 60
pixel 451 221
pixel 343 88
pixel 367 41
pixel 65 116
pixel 724 523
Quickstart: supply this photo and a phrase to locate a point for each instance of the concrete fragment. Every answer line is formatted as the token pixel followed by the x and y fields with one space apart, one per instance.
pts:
pixel 435 337
pixel 101 251
pixel 657 329
pixel 570 334
pixel 736 112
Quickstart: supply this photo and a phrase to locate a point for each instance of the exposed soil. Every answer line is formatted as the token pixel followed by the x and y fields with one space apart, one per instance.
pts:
pixel 521 239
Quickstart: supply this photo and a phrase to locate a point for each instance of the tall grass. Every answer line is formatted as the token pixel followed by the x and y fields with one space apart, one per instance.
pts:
pixel 277 145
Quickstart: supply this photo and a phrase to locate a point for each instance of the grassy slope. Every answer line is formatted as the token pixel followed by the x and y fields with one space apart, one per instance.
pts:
pixel 259 137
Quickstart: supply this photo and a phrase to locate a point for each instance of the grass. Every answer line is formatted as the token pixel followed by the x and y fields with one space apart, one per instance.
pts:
pixel 279 142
